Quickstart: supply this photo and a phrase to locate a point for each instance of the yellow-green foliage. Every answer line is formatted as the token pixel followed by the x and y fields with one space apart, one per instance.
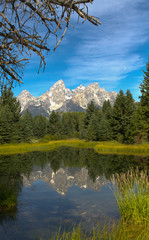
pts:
pixel 100 147
pixel 115 147
pixel 29 147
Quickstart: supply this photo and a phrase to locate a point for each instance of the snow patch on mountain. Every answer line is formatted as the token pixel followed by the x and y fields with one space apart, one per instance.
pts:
pixel 60 98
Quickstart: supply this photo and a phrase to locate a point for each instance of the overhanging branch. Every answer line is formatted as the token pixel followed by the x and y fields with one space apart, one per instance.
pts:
pixel 21 22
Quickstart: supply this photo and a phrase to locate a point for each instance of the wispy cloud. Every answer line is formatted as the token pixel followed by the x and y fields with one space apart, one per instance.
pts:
pixel 112 54
pixel 109 53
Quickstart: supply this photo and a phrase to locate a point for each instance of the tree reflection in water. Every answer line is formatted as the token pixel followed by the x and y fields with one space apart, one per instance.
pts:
pixel 12 167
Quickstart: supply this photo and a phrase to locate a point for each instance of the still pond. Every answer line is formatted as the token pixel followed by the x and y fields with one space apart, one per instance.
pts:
pixel 61 188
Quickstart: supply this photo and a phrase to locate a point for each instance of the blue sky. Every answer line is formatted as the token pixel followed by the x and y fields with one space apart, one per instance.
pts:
pixel 112 54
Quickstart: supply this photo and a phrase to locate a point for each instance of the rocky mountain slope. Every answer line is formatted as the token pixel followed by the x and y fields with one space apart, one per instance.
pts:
pixel 60 98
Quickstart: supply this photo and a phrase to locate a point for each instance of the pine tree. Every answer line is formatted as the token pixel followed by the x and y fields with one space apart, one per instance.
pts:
pixel 107 112
pixel 26 125
pixel 92 128
pixel 10 112
pixel 7 126
pixel 82 131
pixel 144 101
pixel 104 129
pixel 65 125
pixel 129 116
pixel 122 115
pixel 7 98
pixel 40 126
pixel 118 121
pixel 91 110
pixel 54 125
pixel 107 109
pixel 139 133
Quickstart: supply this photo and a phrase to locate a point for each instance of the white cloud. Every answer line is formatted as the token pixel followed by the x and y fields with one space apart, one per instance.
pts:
pixel 101 8
pixel 109 53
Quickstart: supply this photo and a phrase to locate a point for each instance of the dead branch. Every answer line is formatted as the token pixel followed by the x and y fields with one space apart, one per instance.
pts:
pixel 21 22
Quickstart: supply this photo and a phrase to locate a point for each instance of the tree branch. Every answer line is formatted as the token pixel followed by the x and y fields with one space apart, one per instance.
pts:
pixel 20 30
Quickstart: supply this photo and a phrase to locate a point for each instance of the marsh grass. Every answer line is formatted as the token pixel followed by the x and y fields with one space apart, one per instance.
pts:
pixel 114 147
pixel 99 147
pixel 6 149
pixel 122 231
pixel 131 190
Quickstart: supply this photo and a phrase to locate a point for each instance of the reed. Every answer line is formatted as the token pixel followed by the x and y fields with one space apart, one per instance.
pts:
pixel 121 232
pixel 132 194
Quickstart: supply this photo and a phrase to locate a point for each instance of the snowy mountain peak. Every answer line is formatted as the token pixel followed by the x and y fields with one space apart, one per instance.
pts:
pixel 58 84
pixel 60 98
pixel 24 92
pixel 25 98
pixel 78 89
pixel 93 86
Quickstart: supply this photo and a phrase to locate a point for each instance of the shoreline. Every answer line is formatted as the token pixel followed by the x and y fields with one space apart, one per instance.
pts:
pixel 109 147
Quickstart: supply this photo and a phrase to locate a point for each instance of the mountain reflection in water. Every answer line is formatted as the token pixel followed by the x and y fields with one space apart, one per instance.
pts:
pixel 59 188
pixel 65 178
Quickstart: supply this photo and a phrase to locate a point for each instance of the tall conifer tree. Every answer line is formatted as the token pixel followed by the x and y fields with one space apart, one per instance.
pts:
pixel 7 127
pixel 129 115
pixel 91 110
pixel 26 127
pixel 118 121
pixel 122 115
pixel 104 129
pixel 92 128
pixel 7 98
pixel 54 124
pixel 144 100
pixel 10 113
pixel 40 126
pixel 141 120
pixel 107 109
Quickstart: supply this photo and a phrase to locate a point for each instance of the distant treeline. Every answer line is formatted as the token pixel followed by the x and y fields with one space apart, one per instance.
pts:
pixel 126 121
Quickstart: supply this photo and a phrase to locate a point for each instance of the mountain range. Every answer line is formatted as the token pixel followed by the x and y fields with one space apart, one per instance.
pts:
pixel 60 98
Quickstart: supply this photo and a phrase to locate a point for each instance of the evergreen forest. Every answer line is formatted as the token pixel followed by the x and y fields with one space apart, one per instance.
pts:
pixel 126 121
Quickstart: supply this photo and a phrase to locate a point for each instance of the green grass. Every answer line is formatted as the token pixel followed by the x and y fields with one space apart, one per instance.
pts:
pixel 100 147
pixel 122 231
pixel 132 194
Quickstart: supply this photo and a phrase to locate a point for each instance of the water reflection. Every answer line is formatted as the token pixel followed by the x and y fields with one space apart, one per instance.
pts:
pixel 56 188
pixel 65 178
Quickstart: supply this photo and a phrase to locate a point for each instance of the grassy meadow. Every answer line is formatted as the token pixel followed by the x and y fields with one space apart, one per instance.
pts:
pixel 110 147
